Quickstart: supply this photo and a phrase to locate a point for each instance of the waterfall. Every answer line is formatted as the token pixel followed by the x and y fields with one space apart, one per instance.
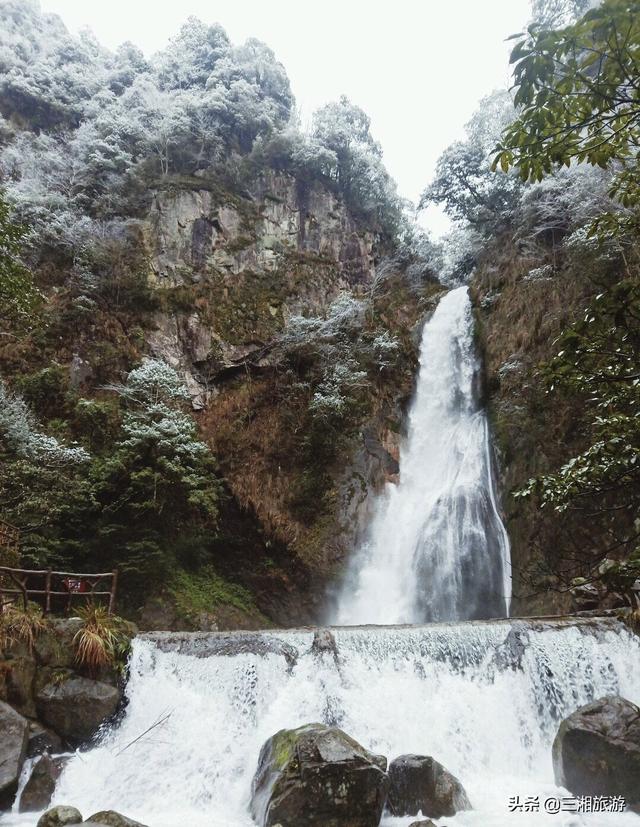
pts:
pixel 484 699
pixel 437 549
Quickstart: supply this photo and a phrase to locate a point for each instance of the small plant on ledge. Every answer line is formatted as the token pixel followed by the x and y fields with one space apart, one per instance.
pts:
pixel 101 641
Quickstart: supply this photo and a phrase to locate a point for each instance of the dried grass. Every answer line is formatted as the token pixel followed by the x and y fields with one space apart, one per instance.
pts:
pixel 97 642
pixel 21 626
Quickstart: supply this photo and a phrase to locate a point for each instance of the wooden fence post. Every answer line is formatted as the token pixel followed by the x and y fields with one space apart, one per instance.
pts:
pixel 47 599
pixel 114 586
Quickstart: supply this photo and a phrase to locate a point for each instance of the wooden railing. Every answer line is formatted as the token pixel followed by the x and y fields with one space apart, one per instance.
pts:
pixel 18 584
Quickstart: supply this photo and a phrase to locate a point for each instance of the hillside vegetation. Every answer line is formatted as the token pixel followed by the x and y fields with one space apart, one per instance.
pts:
pixel 210 317
pixel 203 310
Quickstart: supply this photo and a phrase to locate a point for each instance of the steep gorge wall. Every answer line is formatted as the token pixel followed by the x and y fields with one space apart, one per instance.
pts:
pixel 521 310
pixel 222 272
pixel 232 273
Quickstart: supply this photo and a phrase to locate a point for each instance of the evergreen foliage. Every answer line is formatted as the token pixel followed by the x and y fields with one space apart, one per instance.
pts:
pixel 142 502
pixel 578 99
pixel 18 295
pixel 578 102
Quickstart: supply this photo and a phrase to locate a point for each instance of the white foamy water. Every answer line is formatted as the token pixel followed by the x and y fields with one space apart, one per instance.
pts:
pixel 437 549
pixel 453 692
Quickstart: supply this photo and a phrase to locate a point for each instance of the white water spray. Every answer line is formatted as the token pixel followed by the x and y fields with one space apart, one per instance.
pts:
pixel 437 548
pixel 485 699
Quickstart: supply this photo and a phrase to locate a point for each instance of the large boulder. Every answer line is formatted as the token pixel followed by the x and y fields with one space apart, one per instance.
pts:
pixel 420 784
pixel 14 734
pixel 112 819
pixel 75 707
pixel 320 777
pixel 38 790
pixel 60 816
pixel 597 750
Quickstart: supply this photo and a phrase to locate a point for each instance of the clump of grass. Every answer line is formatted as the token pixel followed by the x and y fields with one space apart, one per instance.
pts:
pixel 204 591
pixel 100 642
pixel 18 625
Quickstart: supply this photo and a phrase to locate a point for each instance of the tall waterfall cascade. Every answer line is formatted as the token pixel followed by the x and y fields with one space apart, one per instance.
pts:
pixel 485 699
pixel 437 549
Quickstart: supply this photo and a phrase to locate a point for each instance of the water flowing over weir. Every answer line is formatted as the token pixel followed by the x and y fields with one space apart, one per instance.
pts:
pixel 485 699
pixel 437 549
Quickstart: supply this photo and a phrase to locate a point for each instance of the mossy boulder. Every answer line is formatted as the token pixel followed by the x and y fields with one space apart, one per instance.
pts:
pixel 20 674
pixel 60 816
pixel 597 750
pixel 318 776
pixel 420 784
pixel 54 647
pixel 110 818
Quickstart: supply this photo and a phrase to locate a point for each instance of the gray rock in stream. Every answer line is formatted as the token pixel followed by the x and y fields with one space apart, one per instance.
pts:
pixel 38 790
pixel 42 740
pixel 110 818
pixel 509 654
pixel 60 816
pixel 597 750
pixel 14 735
pixel 320 777
pixel 324 642
pixel 75 708
pixel 420 784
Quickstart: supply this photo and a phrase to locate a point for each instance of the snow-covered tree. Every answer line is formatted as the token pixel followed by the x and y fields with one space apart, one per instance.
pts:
pixel 553 14
pixel 564 202
pixel 160 475
pixel 465 183
pixel 151 383
pixel 344 129
pixel 21 435
pixel 333 394
pixel 47 75
pixel 190 58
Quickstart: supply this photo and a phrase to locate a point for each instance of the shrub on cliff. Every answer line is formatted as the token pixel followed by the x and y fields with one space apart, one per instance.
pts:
pixel 18 295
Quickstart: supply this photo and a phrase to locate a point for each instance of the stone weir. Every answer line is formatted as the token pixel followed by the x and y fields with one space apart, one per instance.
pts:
pixel 282 641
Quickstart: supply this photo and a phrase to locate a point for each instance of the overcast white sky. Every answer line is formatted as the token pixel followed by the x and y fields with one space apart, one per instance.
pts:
pixel 417 67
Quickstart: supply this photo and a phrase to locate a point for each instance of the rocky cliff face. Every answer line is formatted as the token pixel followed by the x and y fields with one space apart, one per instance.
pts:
pixel 248 262
pixel 231 270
